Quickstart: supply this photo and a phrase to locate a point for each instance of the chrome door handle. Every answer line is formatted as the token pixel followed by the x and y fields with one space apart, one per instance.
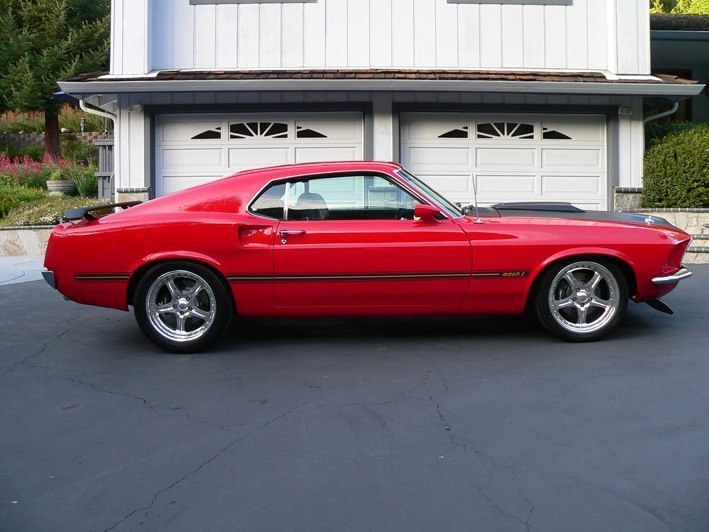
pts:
pixel 285 234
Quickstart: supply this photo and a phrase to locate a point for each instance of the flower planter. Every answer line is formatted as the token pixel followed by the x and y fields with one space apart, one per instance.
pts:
pixel 66 187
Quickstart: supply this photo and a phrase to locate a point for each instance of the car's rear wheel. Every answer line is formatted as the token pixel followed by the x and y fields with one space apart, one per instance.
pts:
pixel 182 307
pixel 582 300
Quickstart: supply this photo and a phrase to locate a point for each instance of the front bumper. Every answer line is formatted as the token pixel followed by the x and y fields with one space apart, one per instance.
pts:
pixel 49 277
pixel 680 274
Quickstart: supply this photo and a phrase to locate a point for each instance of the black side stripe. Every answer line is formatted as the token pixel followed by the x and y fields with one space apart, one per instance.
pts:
pixel 101 277
pixel 260 278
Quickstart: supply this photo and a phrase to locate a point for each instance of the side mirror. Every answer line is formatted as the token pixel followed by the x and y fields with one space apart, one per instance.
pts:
pixel 426 213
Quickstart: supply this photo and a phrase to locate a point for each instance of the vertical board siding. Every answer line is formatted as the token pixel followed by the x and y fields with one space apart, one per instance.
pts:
pixel 357 40
pixel 512 36
pixel 402 40
pixel 584 35
pixel 205 25
pixel 490 38
pixel 292 40
pixel 227 20
pixel 380 34
pixel 469 35
pixel 424 33
pixel 534 37
pixel 270 51
pixel 555 37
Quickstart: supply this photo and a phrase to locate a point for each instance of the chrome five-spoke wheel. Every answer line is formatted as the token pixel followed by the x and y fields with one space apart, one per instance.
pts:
pixel 582 300
pixel 182 306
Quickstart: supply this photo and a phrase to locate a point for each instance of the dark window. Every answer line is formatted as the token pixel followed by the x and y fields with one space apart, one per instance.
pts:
pixel 508 130
pixel 270 202
pixel 552 134
pixel 250 130
pixel 458 133
pixel 210 134
pixel 309 134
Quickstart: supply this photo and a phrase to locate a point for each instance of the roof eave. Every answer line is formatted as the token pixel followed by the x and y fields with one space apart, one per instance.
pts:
pixel 80 88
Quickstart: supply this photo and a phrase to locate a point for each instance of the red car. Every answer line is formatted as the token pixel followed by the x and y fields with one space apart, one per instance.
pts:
pixel 357 238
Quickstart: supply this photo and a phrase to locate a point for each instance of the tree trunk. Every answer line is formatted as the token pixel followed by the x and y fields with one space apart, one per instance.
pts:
pixel 51 135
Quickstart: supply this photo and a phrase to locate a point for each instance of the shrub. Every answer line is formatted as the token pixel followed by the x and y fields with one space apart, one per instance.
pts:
pixel 677 170
pixel 47 211
pixel 12 196
pixel 25 171
pixel 33 151
pixel 86 181
pixel 78 151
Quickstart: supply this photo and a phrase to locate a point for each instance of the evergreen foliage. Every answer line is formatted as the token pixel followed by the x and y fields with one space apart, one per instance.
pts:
pixel 677 170
pixel 44 41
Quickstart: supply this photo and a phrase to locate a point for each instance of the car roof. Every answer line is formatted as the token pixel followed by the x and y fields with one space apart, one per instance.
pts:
pixel 293 170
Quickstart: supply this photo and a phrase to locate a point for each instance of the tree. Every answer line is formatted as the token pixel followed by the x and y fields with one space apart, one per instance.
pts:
pixel 43 41
pixel 680 7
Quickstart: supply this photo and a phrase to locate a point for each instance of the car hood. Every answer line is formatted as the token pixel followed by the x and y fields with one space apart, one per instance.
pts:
pixel 566 210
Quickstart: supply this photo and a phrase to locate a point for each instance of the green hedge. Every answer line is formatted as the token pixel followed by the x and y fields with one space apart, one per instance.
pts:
pixel 677 170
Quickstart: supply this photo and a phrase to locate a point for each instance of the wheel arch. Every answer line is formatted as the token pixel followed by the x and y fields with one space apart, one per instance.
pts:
pixel 150 262
pixel 618 259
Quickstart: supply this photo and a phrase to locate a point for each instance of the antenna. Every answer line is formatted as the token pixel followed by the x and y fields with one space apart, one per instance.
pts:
pixel 475 198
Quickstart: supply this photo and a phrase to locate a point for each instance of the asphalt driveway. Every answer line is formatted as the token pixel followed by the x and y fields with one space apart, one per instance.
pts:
pixel 406 424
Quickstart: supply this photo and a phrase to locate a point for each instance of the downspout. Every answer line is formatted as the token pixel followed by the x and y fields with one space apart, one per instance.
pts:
pixel 663 114
pixel 96 112
pixel 112 118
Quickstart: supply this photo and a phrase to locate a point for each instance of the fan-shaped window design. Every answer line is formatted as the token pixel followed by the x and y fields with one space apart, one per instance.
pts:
pixel 306 133
pixel 508 130
pixel 457 133
pixel 552 134
pixel 209 134
pixel 250 130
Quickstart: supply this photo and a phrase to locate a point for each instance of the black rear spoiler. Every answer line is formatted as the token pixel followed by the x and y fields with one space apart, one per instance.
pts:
pixel 85 212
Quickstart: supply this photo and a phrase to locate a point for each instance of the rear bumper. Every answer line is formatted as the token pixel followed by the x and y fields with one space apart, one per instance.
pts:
pixel 49 277
pixel 682 273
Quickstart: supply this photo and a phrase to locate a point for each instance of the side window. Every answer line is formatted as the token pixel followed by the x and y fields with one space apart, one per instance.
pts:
pixel 271 201
pixel 359 197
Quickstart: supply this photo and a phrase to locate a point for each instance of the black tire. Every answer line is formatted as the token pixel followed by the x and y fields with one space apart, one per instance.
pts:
pixel 581 300
pixel 182 307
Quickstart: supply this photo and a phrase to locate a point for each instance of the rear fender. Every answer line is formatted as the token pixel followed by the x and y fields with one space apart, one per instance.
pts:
pixel 147 262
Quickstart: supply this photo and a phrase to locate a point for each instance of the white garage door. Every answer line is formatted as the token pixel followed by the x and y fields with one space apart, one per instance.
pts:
pixel 195 149
pixel 511 157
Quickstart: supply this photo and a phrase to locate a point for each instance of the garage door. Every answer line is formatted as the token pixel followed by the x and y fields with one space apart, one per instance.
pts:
pixel 195 149
pixel 511 157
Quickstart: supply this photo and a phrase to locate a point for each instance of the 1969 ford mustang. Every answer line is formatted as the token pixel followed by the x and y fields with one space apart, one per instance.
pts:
pixel 357 238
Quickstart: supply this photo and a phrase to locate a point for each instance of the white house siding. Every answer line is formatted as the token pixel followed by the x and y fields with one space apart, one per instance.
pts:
pixel 608 35
pixel 381 134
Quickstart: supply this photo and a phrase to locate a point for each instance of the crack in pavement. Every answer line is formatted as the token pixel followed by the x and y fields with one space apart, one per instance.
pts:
pixel 463 443
pixel 202 465
pixel 25 361
pixel 153 407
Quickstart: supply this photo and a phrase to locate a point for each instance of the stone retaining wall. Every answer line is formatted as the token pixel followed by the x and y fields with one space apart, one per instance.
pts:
pixel 22 241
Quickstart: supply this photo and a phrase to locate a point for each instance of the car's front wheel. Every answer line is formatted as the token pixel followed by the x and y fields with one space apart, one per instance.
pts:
pixel 582 300
pixel 182 307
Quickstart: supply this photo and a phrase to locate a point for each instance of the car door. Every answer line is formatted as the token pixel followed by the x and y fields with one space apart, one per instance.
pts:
pixel 349 244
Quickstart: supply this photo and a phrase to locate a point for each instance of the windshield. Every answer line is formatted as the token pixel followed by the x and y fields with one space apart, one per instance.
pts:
pixel 452 209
